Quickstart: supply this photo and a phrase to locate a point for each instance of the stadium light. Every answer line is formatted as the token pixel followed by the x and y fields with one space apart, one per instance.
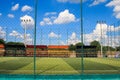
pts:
pixel 25 28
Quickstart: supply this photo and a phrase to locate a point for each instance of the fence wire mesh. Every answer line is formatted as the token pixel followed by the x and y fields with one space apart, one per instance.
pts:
pixel 58 42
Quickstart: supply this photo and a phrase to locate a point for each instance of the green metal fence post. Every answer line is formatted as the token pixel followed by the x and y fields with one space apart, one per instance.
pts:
pixel 82 63
pixel 35 37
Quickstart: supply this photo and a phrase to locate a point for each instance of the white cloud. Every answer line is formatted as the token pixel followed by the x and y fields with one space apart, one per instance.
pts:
pixel 73 39
pixel 62 43
pixel 96 35
pixel 116 5
pixel 97 2
pixel 0 14
pixel 27 21
pixel 50 13
pixel 113 3
pixel 70 1
pixel 46 21
pixel 2 33
pixel 18 35
pixel 65 17
pixel 11 16
pixel 14 33
pixel 53 17
pixel 29 39
pixel 53 35
pixel 26 8
pixel 15 7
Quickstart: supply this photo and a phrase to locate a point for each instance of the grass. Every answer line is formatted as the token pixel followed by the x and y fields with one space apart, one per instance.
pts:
pixel 24 65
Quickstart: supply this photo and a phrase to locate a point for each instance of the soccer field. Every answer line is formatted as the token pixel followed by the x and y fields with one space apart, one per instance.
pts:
pixel 24 65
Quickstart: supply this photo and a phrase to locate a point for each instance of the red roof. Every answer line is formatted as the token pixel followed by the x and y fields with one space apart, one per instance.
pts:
pixel 58 46
pixel 37 46
pixel 2 46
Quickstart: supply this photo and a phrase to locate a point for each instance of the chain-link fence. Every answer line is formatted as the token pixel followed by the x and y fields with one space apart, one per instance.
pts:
pixel 58 48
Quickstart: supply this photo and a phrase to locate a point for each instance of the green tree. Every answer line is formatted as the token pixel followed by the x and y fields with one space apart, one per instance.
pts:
pixel 72 47
pixel 14 43
pixel 95 43
pixel 118 48
pixel 79 44
pixel 2 41
pixel 105 49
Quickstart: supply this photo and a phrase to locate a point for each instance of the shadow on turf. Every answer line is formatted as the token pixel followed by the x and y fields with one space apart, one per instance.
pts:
pixel 7 67
pixel 74 64
pixel 90 65
pixel 48 69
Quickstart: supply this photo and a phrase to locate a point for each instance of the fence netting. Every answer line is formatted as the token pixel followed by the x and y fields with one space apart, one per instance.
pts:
pixel 59 48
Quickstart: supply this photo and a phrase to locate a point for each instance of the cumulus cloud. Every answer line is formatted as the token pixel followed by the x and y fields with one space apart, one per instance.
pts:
pixel 18 35
pixel 62 43
pixel 73 39
pixel 2 33
pixel 97 2
pixel 29 38
pixel 46 21
pixel 27 22
pixel 0 14
pixel 11 16
pixel 26 8
pixel 15 7
pixel 96 35
pixel 65 17
pixel 53 35
pixel 69 1
pixel 50 13
pixel 116 7
pixel 14 33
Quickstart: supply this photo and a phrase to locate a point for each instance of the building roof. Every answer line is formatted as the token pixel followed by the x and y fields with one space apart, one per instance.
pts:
pixel 37 46
pixel 58 46
pixel 2 46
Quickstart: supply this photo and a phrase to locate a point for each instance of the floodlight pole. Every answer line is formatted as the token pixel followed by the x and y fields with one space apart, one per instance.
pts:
pixel 25 33
pixel 82 53
pixel 119 32
pixel 101 37
pixel 25 28
pixel 114 38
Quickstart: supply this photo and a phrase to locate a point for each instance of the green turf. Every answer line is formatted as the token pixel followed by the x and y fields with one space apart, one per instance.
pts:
pixel 24 65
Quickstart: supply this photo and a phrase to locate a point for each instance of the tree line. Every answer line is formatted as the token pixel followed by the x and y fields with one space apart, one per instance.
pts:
pixel 73 47
pixel 94 43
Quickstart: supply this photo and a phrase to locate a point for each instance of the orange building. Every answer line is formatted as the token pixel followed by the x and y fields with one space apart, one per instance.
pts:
pixel 58 51
pixel 2 49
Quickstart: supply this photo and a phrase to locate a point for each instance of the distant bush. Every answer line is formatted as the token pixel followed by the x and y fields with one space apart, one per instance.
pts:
pixel 2 41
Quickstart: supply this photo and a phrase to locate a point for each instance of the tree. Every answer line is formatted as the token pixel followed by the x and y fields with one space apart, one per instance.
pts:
pixel 2 41
pixel 72 47
pixel 118 48
pixel 14 43
pixel 79 44
pixel 95 43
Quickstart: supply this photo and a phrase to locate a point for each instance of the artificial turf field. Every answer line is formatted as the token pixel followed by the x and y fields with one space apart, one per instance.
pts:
pixel 24 65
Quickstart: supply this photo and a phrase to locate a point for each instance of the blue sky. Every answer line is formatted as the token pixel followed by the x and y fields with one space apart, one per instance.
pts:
pixel 58 21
